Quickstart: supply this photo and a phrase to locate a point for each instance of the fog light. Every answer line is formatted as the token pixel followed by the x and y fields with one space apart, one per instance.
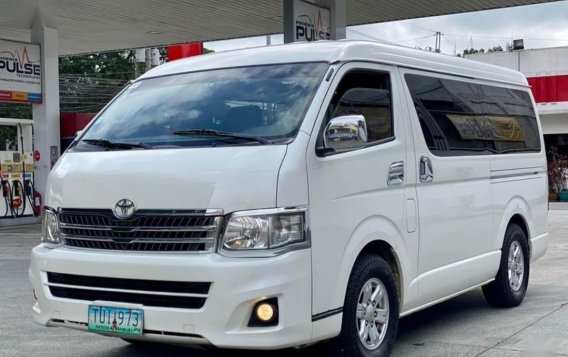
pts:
pixel 264 312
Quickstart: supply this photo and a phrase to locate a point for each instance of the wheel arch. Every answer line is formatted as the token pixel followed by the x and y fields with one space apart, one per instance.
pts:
pixel 387 252
pixel 379 236
pixel 516 211
pixel 519 220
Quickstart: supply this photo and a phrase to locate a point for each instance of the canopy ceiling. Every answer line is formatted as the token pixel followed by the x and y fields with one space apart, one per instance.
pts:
pixel 104 25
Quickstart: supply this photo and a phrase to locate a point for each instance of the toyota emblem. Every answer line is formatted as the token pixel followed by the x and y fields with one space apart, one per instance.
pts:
pixel 124 209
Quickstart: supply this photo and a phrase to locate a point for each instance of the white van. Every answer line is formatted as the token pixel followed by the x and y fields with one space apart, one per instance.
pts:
pixel 276 197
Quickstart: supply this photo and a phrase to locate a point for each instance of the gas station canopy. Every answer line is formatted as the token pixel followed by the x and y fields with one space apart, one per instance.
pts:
pixel 34 33
pixel 103 25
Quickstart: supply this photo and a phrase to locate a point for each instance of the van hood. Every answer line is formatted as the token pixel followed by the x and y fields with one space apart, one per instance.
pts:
pixel 228 178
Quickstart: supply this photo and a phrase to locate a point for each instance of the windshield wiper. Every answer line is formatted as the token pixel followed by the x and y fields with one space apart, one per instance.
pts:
pixel 223 134
pixel 116 145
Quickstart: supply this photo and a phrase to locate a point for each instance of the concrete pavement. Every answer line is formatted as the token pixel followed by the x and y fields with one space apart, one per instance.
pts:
pixel 464 326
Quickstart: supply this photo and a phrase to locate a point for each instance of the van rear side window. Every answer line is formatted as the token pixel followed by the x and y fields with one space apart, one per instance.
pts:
pixel 462 118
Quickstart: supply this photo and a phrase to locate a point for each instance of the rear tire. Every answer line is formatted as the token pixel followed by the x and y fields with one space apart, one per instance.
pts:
pixel 370 312
pixel 510 285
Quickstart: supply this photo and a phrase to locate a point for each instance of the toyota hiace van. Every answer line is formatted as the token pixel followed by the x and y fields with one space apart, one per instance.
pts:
pixel 280 196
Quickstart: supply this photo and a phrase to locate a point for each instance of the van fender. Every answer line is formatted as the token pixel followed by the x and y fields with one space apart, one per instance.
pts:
pixel 371 229
pixel 517 205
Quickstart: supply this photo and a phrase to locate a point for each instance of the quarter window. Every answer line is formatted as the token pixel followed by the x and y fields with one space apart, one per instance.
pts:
pixel 461 118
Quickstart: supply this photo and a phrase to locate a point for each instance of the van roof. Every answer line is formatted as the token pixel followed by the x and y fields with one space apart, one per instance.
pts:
pixel 341 51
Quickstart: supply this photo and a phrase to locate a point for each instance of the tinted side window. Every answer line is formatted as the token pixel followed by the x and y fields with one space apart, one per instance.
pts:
pixel 367 93
pixel 460 118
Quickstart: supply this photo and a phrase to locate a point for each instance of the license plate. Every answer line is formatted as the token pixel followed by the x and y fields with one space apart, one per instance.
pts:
pixel 116 320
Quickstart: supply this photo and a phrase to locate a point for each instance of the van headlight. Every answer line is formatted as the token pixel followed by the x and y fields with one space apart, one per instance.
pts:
pixel 272 231
pixel 50 227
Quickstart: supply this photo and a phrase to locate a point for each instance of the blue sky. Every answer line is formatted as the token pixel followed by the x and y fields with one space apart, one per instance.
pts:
pixel 542 25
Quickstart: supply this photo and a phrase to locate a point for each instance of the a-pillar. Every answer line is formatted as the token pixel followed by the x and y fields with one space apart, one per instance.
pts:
pixel 46 115
pixel 337 12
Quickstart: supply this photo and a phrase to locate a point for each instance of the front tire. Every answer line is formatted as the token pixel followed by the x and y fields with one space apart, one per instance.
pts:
pixel 370 312
pixel 510 285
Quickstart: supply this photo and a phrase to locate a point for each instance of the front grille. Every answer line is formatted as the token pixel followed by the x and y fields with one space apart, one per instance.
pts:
pixel 156 247
pixel 181 302
pixel 129 284
pixel 165 231
pixel 174 294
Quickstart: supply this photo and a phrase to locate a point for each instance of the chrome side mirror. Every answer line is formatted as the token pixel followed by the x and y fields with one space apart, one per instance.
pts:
pixel 345 133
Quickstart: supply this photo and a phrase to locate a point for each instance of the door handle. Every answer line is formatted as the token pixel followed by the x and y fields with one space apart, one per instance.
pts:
pixel 426 171
pixel 396 174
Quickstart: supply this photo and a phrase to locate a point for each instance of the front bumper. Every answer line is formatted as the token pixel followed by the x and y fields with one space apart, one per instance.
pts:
pixel 237 285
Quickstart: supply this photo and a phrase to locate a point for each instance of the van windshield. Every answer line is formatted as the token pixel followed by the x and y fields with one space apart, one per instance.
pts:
pixel 237 106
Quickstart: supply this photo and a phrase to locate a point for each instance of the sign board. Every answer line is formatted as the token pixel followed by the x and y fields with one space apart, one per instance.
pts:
pixel 191 49
pixel 311 22
pixel 20 72
pixel 518 44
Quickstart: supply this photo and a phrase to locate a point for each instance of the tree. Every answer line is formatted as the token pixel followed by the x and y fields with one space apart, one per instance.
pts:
pixel 495 49
pixel 473 51
pixel 15 110
pixel 9 132
pixel 88 82
pixel 120 64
